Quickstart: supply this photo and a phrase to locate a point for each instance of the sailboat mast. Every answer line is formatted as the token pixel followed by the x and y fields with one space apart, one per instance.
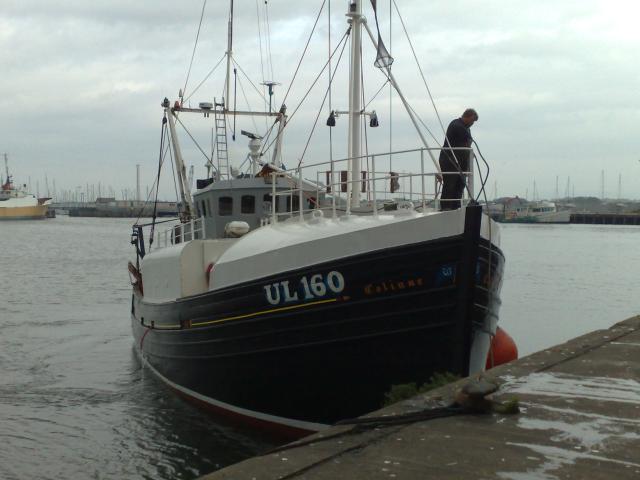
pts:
pixel 227 86
pixel 355 102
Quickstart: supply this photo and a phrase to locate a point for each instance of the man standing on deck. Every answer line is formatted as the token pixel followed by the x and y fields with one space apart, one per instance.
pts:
pixel 456 161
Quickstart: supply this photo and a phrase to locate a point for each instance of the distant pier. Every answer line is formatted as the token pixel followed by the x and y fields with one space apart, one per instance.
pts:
pixel 606 218
pixel 579 418
pixel 112 208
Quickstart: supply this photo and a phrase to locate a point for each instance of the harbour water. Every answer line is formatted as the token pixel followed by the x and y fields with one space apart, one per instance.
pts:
pixel 75 402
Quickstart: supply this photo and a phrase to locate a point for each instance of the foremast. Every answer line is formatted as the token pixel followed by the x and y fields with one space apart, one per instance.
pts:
pixel 355 103
pixel 186 210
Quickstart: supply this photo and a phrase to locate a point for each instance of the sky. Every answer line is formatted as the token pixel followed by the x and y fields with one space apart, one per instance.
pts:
pixel 556 86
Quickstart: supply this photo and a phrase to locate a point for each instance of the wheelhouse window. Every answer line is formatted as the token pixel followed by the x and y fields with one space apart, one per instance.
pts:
pixel 268 198
pixel 293 203
pixel 209 209
pixel 248 204
pixel 204 209
pixel 225 206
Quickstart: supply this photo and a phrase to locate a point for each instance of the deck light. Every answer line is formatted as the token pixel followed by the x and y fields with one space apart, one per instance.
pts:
pixel 331 121
pixel 373 120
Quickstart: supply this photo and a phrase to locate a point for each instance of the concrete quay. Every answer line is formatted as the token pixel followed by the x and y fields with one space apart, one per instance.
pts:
pixel 579 418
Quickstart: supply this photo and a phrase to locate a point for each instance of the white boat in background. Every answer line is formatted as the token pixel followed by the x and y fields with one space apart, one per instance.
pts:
pixel 17 204
pixel 519 210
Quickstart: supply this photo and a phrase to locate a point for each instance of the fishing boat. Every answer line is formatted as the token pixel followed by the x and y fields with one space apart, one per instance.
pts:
pixel 17 204
pixel 290 298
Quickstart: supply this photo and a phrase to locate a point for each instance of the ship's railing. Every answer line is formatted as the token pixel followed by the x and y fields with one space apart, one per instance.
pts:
pixel 180 233
pixel 418 182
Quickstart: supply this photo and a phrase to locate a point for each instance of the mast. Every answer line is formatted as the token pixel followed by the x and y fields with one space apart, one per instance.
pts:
pixel 6 166
pixel 227 86
pixel 355 105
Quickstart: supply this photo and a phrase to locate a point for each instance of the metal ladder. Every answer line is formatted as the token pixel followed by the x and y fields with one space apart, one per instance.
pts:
pixel 221 140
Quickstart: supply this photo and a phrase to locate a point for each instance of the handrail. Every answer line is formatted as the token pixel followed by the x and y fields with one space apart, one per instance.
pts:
pixel 367 183
pixel 179 233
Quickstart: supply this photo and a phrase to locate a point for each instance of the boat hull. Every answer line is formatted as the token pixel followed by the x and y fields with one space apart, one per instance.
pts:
pixel 35 212
pixel 305 348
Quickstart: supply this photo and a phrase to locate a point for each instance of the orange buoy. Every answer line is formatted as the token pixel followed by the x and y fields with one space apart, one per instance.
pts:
pixel 503 349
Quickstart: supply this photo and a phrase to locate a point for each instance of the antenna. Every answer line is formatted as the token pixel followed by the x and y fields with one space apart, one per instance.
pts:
pixel 138 182
pixel 619 186
pixel 270 84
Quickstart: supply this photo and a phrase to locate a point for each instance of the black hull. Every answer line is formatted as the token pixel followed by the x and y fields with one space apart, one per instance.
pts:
pixel 399 318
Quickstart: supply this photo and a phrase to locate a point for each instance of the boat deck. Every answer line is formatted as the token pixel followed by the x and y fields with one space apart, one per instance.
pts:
pixel 579 418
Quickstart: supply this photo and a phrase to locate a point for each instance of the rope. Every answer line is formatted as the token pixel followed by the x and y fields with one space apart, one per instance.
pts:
pixel 193 54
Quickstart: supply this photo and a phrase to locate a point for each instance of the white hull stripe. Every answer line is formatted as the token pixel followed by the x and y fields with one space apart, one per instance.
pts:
pixel 300 424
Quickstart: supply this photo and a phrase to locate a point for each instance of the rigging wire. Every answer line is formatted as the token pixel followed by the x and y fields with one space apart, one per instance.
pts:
pixel 346 34
pixel 424 81
pixel 266 125
pixel 193 53
pixel 376 94
pixel 161 156
pixel 235 101
pixel 332 75
pixel 173 171
pixel 251 82
pixel 205 78
pixel 269 55
pixel 415 57
pixel 253 120
pixel 332 164
pixel 390 94
pixel 363 122
pixel 209 160
pixel 295 73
